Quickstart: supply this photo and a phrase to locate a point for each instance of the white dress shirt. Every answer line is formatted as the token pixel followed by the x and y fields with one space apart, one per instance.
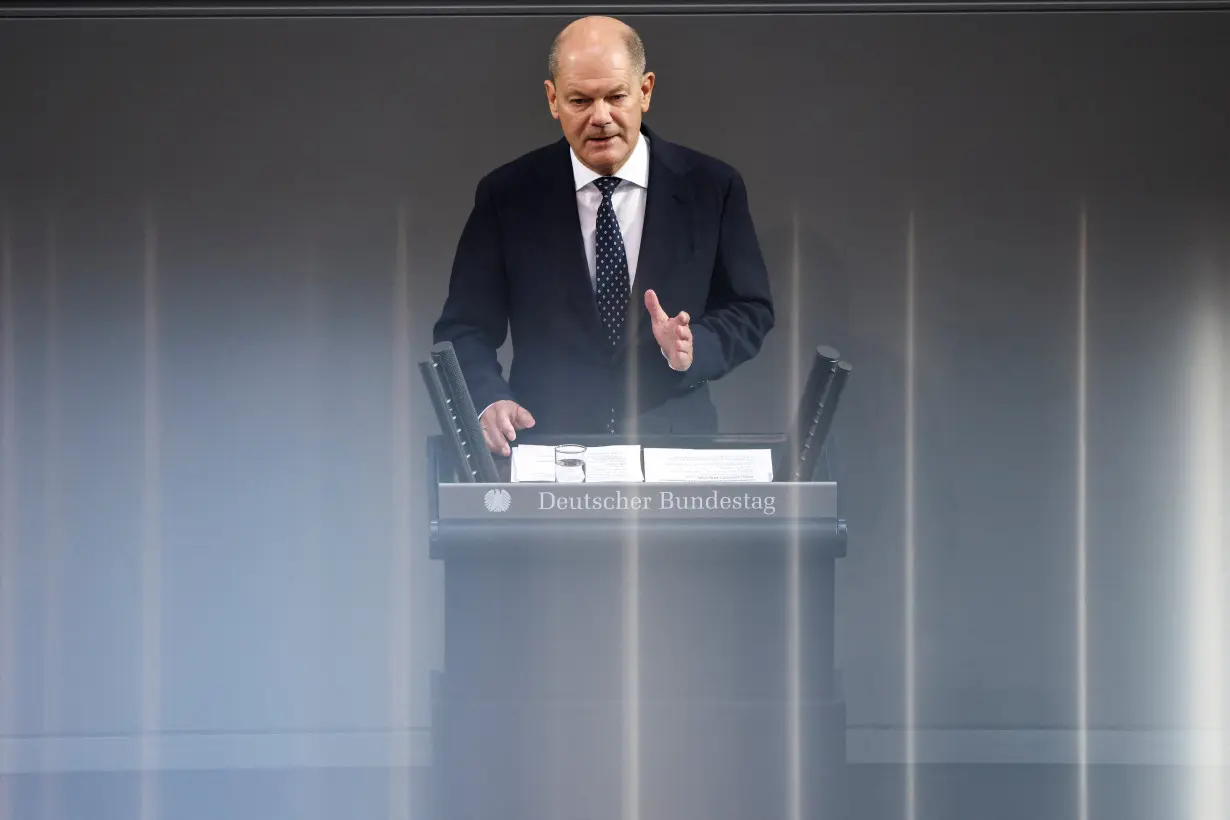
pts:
pixel 628 202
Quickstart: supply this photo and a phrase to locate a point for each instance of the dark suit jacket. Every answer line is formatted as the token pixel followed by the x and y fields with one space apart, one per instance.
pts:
pixel 521 263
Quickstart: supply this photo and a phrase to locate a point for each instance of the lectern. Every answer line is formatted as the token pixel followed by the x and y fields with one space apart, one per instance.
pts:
pixel 654 651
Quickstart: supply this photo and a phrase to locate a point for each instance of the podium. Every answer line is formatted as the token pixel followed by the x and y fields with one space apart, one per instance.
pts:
pixel 649 651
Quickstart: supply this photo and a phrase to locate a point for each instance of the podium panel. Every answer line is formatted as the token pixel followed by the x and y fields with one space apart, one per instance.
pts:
pixel 599 652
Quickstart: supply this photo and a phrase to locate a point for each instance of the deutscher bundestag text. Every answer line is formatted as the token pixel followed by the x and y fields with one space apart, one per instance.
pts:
pixel 666 500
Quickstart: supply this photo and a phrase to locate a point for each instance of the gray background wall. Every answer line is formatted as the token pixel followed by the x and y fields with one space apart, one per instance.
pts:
pixel 224 243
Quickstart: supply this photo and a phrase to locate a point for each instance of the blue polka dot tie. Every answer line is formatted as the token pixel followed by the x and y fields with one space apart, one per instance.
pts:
pixel 613 284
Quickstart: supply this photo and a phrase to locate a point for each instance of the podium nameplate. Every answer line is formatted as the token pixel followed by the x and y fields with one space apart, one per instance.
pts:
pixel 658 501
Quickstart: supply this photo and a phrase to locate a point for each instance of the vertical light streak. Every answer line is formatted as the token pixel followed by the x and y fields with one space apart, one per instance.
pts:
pixel 1207 544
pixel 400 574
pixel 1082 527
pixel 53 523
pixel 8 503
pixel 793 708
pixel 151 534
pixel 911 788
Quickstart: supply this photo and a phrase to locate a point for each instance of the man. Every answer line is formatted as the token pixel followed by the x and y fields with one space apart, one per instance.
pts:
pixel 626 266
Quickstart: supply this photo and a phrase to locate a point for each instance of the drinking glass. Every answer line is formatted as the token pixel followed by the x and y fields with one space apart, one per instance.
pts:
pixel 570 463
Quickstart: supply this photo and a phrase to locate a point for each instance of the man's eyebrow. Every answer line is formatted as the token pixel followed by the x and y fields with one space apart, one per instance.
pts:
pixel 619 89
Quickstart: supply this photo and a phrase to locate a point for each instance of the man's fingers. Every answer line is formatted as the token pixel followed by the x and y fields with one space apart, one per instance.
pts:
pixel 497 436
pixel 655 308
pixel 486 421
pixel 684 318
pixel 683 332
pixel 523 418
pixel 680 356
pixel 495 441
pixel 679 346
pixel 501 422
pixel 499 426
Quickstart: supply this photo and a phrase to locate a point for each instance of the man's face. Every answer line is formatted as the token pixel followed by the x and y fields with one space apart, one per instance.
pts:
pixel 598 100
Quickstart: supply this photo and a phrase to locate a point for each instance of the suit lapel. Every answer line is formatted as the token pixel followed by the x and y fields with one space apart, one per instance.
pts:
pixel 666 236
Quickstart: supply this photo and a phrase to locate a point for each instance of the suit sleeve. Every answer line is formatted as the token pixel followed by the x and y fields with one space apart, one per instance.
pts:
pixel 739 312
pixel 475 314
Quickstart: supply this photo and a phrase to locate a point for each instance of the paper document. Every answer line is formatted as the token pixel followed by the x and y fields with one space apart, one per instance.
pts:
pixel 672 464
pixel 614 462
pixel 533 462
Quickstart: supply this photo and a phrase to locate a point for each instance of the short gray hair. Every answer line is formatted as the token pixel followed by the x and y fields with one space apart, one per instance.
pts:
pixel 632 41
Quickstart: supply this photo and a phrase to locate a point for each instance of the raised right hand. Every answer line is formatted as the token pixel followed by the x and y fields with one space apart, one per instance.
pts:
pixel 500 423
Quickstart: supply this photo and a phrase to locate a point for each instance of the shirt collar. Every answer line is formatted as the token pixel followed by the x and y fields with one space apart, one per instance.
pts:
pixel 635 170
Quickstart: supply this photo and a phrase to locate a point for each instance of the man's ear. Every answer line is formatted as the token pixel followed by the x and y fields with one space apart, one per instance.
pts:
pixel 647 83
pixel 551 98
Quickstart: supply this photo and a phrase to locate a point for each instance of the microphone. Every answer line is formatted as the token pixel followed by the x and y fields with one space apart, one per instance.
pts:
pixel 814 416
pixel 450 397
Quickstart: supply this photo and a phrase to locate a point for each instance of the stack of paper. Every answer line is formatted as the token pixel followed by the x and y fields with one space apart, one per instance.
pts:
pixel 614 462
pixel 622 463
pixel 673 464
pixel 533 462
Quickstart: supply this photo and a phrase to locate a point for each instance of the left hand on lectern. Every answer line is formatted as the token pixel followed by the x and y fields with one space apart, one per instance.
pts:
pixel 673 333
